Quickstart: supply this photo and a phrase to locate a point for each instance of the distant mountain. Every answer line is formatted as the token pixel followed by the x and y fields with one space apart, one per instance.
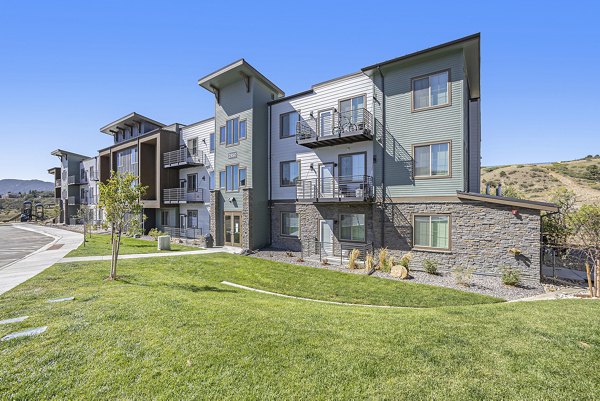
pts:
pixel 24 186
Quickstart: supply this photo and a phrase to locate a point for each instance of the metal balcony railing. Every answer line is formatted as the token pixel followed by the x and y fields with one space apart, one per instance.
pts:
pixel 345 188
pixel 93 176
pixel 178 232
pixel 73 179
pixel 340 127
pixel 89 200
pixel 334 250
pixel 183 157
pixel 181 195
pixel 73 200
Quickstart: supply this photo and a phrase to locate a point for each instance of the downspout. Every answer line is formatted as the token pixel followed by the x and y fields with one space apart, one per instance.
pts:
pixel 383 144
pixel 269 199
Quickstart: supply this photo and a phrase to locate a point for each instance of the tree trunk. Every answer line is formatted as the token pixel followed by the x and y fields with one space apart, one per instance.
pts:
pixel 597 278
pixel 113 272
pixel 588 271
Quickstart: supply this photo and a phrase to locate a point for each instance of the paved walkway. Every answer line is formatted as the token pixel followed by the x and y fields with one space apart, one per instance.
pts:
pixel 18 271
pixel 16 244
pixel 226 249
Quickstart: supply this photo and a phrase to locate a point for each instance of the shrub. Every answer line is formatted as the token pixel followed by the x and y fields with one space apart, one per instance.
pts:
pixel 387 267
pixel 369 262
pixel 430 266
pixel 289 254
pixel 155 233
pixel 300 259
pixel 510 276
pixel 405 260
pixel 352 258
pixel 462 275
pixel 324 261
pixel 383 258
pixel 502 173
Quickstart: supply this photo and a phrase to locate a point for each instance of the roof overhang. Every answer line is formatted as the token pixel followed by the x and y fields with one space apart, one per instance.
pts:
pixel 53 170
pixel 501 200
pixel 231 73
pixel 127 121
pixel 470 45
pixel 60 153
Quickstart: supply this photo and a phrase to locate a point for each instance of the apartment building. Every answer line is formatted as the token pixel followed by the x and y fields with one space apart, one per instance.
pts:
pixel 69 178
pixel 385 157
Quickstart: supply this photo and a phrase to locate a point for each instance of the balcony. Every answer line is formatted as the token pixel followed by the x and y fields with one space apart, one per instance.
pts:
pixel 357 188
pixel 343 127
pixel 187 233
pixel 183 158
pixel 73 200
pixel 93 176
pixel 89 200
pixel 73 180
pixel 181 195
pixel 57 182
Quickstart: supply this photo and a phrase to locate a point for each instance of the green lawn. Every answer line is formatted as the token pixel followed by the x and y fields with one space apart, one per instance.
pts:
pixel 170 330
pixel 99 245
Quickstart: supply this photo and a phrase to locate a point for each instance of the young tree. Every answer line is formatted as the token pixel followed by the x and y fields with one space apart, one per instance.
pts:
pixel 120 199
pixel 86 215
pixel 585 227
pixel 555 226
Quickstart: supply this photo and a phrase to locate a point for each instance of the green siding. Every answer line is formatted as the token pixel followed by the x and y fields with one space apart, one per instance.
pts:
pixel 406 128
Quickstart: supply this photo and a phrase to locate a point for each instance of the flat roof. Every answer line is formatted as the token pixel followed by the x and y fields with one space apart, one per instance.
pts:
pixel 128 119
pixel 503 200
pixel 52 170
pixel 226 75
pixel 60 152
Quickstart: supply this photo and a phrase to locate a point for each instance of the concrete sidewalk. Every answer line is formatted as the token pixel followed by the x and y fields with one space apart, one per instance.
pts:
pixel 25 268
pixel 226 249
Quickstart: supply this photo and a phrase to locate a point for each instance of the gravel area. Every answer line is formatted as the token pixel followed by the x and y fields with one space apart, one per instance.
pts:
pixel 480 284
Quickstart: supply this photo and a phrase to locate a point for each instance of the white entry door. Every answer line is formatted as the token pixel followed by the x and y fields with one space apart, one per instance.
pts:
pixel 326 237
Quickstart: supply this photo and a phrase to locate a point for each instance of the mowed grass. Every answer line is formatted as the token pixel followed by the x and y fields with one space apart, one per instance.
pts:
pixel 99 245
pixel 169 330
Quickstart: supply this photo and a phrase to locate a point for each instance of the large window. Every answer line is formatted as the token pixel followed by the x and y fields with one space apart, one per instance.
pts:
pixel 222 179
pixel 222 135
pixel 287 124
pixel 192 219
pixel 243 126
pixel 212 142
pixel 164 217
pixel 211 180
pixel 290 173
pixel 134 156
pixel 232 177
pixel 243 180
pixel 352 227
pixel 290 224
pixel 432 231
pixel 192 182
pixel 193 146
pixel 430 91
pixel 352 167
pixel 232 131
pixel 432 160
pixel 352 110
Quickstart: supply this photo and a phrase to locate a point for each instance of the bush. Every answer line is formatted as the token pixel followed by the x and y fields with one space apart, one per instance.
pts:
pixel 405 260
pixel 387 268
pixel 463 275
pixel 369 262
pixel 510 276
pixel 502 173
pixel 155 233
pixel 383 259
pixel 352 258
pixel 430 266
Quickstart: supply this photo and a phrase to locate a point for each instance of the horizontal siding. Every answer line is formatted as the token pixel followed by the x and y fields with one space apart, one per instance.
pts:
pixel 325 97
pixel 201 131
pixel 410 128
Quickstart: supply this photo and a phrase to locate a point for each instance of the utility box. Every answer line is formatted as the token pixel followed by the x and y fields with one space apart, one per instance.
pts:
pixel 164 243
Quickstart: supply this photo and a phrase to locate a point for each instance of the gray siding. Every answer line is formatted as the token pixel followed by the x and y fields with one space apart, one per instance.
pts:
pixel 474 145
pixel 407 128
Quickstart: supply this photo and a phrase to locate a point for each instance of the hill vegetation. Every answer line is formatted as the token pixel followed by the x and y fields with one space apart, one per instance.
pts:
pixel 24 186
pixel 539 181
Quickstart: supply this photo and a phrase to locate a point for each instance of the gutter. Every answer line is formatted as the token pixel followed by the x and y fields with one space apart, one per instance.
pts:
pixel 383 189
pixel 270 197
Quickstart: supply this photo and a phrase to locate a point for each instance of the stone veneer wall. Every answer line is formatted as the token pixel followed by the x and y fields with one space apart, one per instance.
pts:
pixel 216 216
pixel 481 233
pixel 247 223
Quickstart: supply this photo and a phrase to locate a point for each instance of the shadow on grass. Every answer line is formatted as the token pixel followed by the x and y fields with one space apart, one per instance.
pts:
pixel 178 286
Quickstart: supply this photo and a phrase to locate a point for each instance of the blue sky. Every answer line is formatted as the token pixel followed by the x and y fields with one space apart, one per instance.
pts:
pixel 68 68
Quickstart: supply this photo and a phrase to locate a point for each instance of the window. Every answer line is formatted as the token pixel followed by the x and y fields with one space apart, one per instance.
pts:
pixel 211 180
pixel 192 219
pixel 352 167
pixel 222 180
pixel 287 124
pixel 222 135
pixel 352 227
pixel 232 177
pixel 164 217
pixel 242 177
pixel 192 145
pixel 232 131
pixel 192 182
pixel 120 159
pixel 352 109
pixel 325 122
pixel 134 156
pixel 212 142
pixel 290 224
pixel 243 129
pixel 290 172
pixel 430 91
pixel 432 160
pixel 432 231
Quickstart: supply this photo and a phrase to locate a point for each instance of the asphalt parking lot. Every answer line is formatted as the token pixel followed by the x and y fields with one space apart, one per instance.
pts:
pixel 16 243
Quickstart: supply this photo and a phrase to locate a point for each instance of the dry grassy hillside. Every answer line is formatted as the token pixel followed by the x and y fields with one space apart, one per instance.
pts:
pixel 537 181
